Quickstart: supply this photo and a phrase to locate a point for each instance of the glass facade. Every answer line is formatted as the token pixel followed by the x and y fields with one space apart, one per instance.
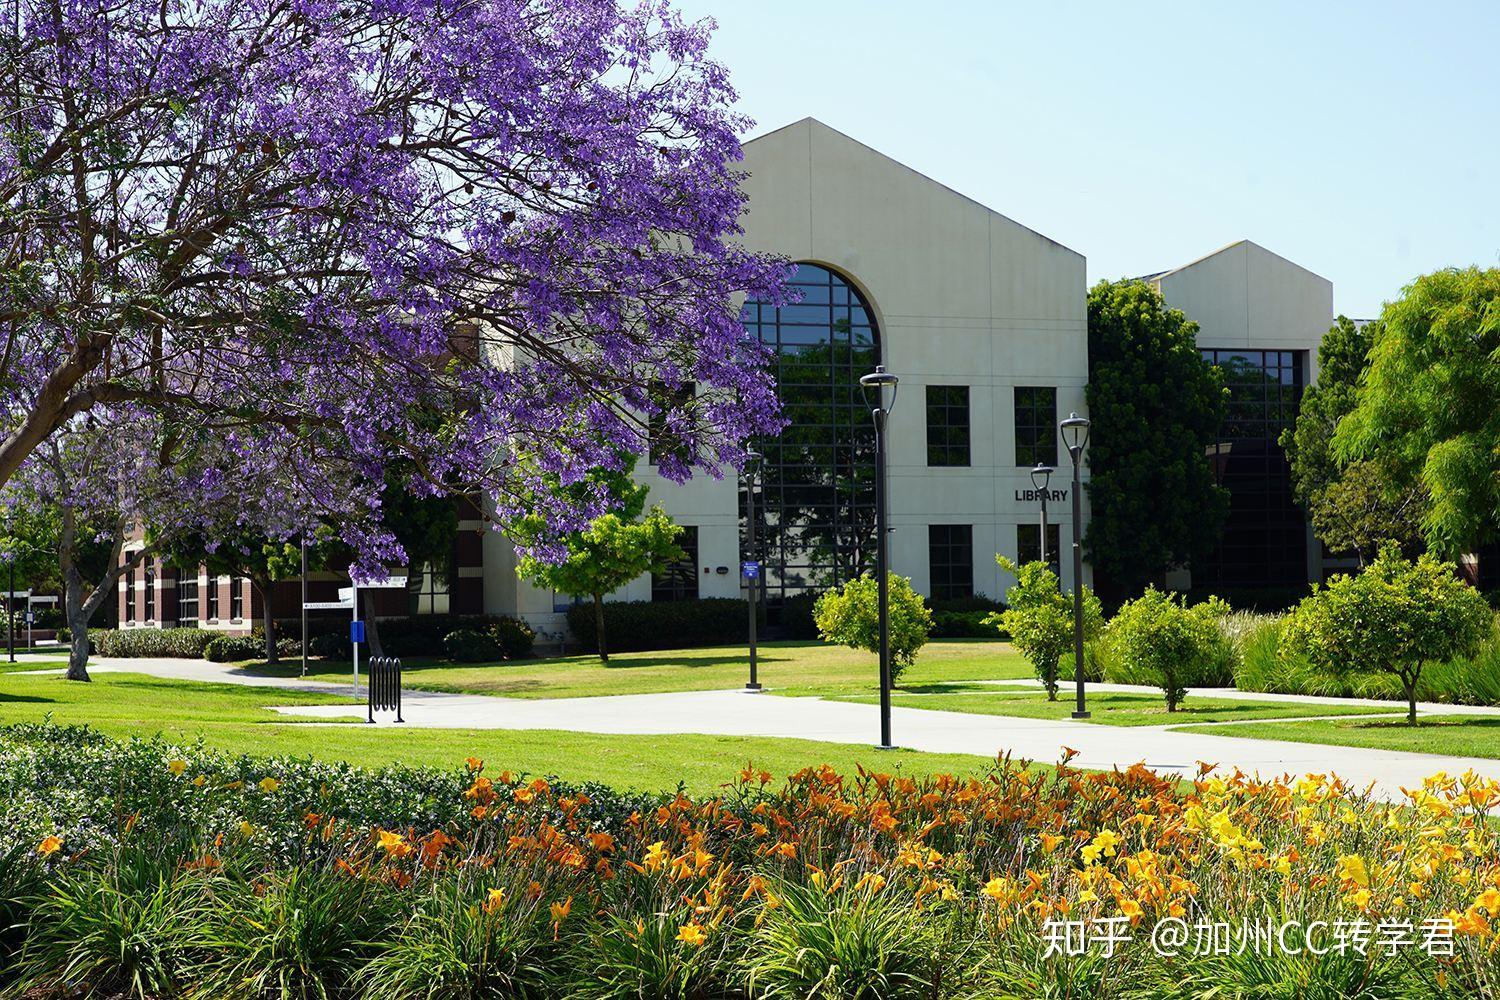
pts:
pixel 950 560
pixel 947 425
pixel 1029 548
pixel 1036 425
pixel 817 506
pixel 678 581
pixel 1265 537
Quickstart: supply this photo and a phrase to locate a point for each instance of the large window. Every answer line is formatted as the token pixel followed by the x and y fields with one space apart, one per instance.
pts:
pixel 1036 425
pixel 817 516
pixel 430 589
pixel 130 595
pixel 678 581
pixel 1028 545
pixel 213 598
pixel 187 601
pixel 950 560
pixel 236 599
pixel 1265 536
pixel 947 425
pixel 150 595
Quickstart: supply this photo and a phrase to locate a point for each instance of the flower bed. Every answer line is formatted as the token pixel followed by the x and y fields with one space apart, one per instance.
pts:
pixel 154 870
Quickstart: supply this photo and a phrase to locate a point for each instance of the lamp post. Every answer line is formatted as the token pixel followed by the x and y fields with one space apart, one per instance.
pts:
pixel 1075 435
pixel 304 602
pixel 751 567
pixel 874 386
pixel 1040 477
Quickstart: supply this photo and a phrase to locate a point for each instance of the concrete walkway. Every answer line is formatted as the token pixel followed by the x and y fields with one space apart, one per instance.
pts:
pixel 738 713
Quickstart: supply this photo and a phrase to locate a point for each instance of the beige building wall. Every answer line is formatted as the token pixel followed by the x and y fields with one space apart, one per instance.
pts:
pixel 1243 296
pixel 961 295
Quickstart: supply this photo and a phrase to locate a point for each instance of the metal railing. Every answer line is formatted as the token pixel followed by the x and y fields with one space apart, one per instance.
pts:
pixel 383 692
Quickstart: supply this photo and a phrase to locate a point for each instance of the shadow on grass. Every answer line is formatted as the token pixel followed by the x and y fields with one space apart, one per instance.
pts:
pixel 25 699
pixel 1402 726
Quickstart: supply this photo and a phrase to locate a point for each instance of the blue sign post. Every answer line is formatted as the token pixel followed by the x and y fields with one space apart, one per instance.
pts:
pixel 356 631
pixel 750 570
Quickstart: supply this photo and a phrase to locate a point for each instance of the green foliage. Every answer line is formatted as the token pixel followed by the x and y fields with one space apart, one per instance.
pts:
pixel 235 648
pixel 628 957
pixel 1155 406
pixel 452 947
pixel 850 617
pixel 612 551
pixel 1428 404
pixel 638 625
pixel 1160 640
pixel 187 643
pixel 854 946
pixel 1039 618
pixel 1354 506
pixel 121 928
pixel 1394 617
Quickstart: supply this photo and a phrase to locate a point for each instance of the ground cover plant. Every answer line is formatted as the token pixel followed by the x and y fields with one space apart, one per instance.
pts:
pixel 242 877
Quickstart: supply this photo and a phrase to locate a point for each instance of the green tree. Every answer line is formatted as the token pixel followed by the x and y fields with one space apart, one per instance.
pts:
pixel 850 616
pixel 1038 616
pixel 613 550
pixel 1429 405
pixel 1162 641
pixel 243 553
pixel 1393 617
pixel 1354 506
pixel 1156 407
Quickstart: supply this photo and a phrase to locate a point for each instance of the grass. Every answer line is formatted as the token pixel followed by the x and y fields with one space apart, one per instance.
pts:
pixel 784 668
pixel 1450 735
pixel 1110 709
pixel 236 718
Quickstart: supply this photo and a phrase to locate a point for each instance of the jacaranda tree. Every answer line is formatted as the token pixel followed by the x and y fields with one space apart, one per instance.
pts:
pixel 471 236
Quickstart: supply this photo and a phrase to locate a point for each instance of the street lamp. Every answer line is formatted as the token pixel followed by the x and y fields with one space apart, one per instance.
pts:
pixel 1075 435
pixel 874 386
pixel 750 569
pixel 1040 477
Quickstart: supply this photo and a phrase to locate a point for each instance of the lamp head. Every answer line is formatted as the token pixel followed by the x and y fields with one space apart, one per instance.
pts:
pixel 874 385
pixel 1075 434
pixel 1041 475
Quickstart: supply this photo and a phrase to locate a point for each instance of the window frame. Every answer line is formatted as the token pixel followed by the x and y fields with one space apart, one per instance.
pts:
pixel 943 451
pixel 668 585
pixel 1030 430
pixel 950 539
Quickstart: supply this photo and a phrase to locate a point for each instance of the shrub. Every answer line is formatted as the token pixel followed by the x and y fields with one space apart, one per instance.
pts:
pixel 186 643
pixel 795 616
pixel 963 625
pixel 637 625
pixel 1039 618
pixel 1160 640
pixel 472 645
pixel 851 617
pixel 1394 618
pixel 231 648
pixel 857 945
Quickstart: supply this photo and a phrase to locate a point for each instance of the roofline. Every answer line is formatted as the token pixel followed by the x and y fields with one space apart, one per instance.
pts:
pixel 913 170
pixel 1214 253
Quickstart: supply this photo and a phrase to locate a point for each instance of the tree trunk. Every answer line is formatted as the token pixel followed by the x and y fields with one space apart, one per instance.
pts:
pixel 267 618
pixel 1411 699
pixel 599 628
pixel 372 629
pixel 78 630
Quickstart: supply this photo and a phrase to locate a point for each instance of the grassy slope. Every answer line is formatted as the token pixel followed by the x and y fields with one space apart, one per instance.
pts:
pixel 1114 709
pixel 1455 735
pixel 236 718
pixel 784 667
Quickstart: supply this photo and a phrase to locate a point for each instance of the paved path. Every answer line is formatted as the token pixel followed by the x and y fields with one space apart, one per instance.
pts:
pixel 743 714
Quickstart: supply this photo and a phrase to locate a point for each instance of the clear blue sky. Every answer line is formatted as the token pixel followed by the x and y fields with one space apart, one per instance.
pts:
pixel 1361 140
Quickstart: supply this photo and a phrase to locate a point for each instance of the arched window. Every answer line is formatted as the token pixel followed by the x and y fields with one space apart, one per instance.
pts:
pixel 817 505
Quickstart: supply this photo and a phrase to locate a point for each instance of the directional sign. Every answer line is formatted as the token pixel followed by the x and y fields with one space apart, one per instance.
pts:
pixel 329 605
pixel 750 570
pixel 393 581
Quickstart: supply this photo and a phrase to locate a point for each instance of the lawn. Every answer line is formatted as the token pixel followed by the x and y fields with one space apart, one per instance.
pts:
pixel 784 668
pixel 1109 709
pixel 236 718
pixel 1451 735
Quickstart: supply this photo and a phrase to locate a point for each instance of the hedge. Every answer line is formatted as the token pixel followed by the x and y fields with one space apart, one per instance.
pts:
pixel 184 643
pixel 638 625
